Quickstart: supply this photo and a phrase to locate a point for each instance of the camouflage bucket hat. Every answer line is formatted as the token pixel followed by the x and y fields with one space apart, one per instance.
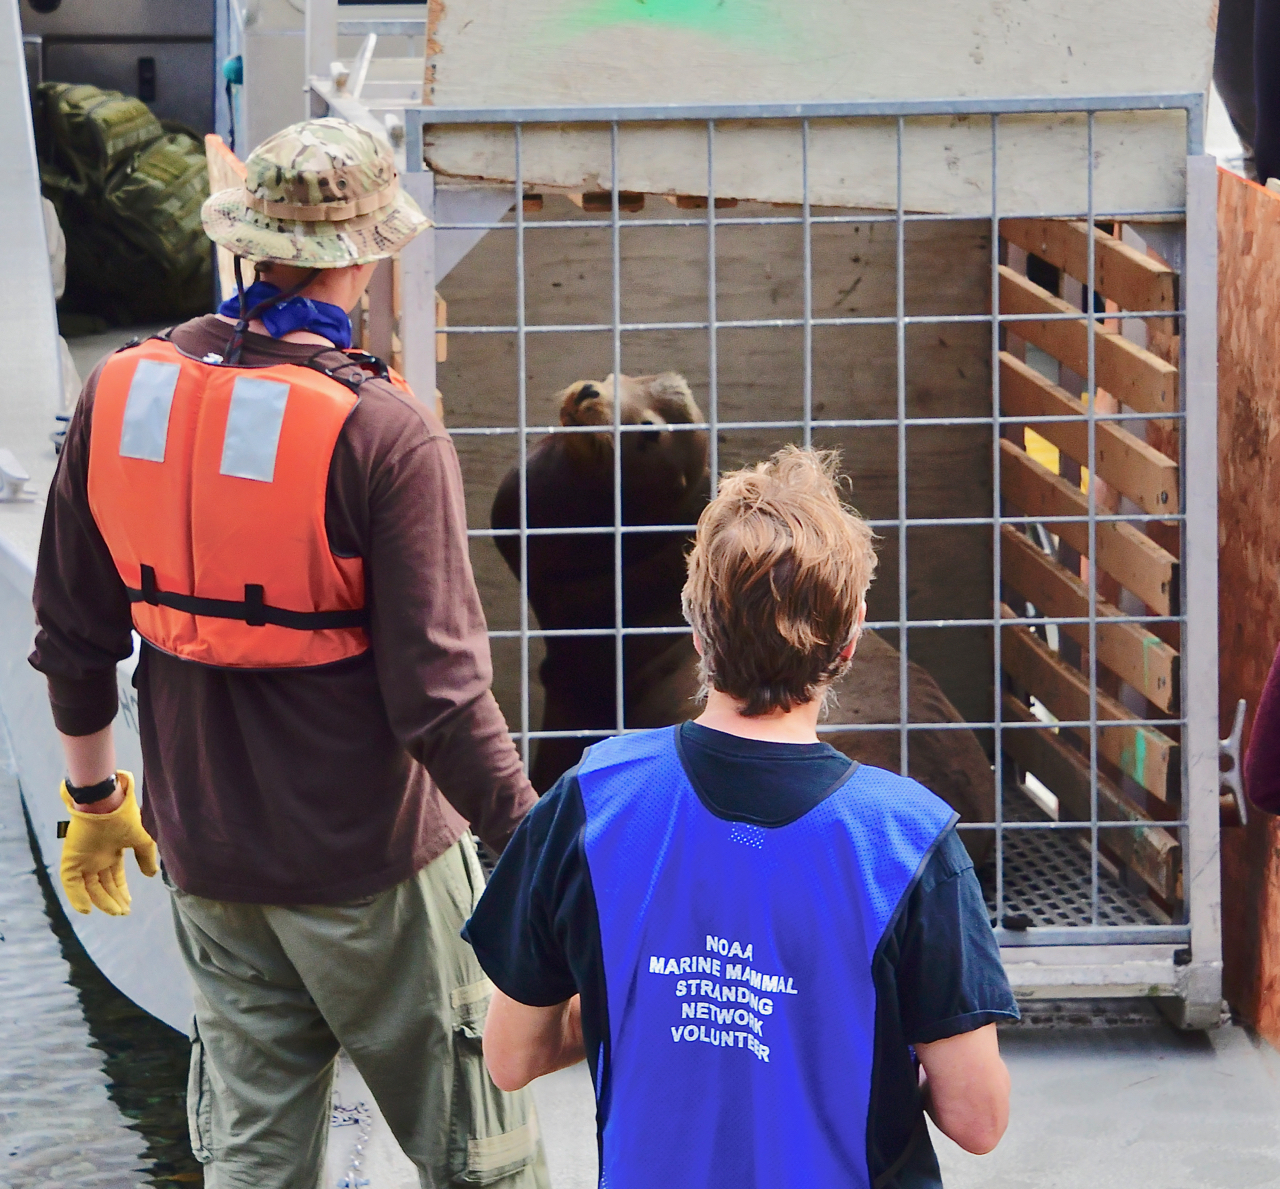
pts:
pixel 320 194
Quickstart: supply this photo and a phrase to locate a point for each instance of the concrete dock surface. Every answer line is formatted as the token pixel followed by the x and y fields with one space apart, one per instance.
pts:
pixel 1097 1104
pixel 1105 1096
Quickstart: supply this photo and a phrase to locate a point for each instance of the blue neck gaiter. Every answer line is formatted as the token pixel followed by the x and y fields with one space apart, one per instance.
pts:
pixel 297 313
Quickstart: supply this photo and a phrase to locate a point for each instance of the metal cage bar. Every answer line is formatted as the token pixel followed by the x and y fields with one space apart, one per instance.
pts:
pixel 997 513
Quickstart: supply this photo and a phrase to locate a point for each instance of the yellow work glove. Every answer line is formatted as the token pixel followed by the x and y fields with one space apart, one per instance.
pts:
pixel 92 868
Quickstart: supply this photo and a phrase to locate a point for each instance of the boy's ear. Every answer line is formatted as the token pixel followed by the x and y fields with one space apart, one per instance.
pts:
pixel 697 644
pixel 847 651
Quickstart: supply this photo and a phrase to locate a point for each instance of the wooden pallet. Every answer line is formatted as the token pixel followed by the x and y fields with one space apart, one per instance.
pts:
pixel 1135 762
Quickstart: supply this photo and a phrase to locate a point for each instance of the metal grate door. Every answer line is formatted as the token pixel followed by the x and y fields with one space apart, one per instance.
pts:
pixel 1045 496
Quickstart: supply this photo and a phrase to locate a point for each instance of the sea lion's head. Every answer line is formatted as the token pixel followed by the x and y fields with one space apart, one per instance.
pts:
pixel 662 459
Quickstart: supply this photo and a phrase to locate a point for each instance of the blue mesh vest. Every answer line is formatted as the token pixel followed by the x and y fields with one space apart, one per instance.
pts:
pixel 738 967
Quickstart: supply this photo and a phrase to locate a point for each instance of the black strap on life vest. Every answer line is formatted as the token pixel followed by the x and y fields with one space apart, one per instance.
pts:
pixel 254 611
pixel 365 366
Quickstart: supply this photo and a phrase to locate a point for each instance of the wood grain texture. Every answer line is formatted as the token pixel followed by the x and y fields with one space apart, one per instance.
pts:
pixel 946 161
pixel 1130 651
pixel 1124 461
pixel 1128 277
pixel 1149 849
pixel 543 52
pixel 226 171
pixel 1249 589
pixel 1136 377
pixel 1141 753
pixel 1132 559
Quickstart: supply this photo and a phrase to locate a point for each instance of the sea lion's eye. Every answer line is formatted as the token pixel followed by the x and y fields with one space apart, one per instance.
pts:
pixel 649 437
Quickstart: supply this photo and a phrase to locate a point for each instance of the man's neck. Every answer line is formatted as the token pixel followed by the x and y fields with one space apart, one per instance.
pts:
pixel 294 336
pixel 797 725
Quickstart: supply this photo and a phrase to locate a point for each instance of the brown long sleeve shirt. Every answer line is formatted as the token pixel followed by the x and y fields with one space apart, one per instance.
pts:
pixel 302 786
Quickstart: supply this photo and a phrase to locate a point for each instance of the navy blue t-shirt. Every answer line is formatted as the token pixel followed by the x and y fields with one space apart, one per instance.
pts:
pixel 937 971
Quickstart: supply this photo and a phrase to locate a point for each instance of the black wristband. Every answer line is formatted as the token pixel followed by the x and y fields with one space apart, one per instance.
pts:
pixel 90 794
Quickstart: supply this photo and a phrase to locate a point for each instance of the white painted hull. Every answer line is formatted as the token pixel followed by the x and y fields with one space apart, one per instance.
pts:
pixel 139 953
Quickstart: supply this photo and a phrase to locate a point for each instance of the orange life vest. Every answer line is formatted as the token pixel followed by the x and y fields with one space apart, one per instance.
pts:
pixel 208 485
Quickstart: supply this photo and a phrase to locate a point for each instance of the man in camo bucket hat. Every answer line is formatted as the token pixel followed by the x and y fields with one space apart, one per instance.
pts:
pixel 318 750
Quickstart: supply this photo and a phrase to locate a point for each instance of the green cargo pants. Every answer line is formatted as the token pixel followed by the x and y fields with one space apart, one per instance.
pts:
pixel 279 989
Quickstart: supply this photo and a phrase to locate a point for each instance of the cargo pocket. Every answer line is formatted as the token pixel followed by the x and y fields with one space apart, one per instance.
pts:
pixel 492 1134
pixel 199 1101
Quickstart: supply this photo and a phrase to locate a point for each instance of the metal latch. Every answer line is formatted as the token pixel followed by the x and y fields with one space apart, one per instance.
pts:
pixel 1231 778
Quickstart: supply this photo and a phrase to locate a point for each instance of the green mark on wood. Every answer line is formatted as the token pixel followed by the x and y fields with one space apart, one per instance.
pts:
pixel 738 20
pixel 1133 760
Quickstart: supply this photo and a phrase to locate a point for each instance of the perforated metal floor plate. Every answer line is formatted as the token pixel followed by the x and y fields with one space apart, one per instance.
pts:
pixel 1047 877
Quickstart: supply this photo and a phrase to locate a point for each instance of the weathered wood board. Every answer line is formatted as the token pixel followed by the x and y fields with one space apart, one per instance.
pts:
pixel 1141 753
pixel 1149 849
pixel 1121 273
pixel 1124 461
pixel 1131 557
pixel 1135 376
pixel 1249 576
pixel 760 373
pixel 488 53
pixel 1130 651
pixel 1139 161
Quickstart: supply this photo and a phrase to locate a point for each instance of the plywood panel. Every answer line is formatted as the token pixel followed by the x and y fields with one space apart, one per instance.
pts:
pixel 1249 544
pixel 506 52
pixel 558 52
pixel 521 53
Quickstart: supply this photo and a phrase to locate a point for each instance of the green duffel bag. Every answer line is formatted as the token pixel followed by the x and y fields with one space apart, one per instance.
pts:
pixel 87 133
pixel 128 191
pixel 154 200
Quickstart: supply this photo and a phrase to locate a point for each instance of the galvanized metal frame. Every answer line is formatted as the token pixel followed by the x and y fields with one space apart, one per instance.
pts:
pixel 1141 956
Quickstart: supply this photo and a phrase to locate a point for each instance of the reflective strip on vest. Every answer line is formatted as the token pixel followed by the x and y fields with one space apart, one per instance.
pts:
pixel 146 412
pixel 738 967
pixel 253 428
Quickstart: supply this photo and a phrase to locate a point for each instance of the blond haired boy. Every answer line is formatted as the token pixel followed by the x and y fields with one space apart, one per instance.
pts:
pixel 774 959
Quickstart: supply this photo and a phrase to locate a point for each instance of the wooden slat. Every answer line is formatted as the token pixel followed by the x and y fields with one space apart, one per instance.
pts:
pixel 1130 651
pixel 698 202
pixel 1134 560
pixel 442 320
pixel 1142 753
pixel 1149 849
pixel 1125 462
pixel 1128 277
pixel 1137 378
pixel 601 201
pixel 226 171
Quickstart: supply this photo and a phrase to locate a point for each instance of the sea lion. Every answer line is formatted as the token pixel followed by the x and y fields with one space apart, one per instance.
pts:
pixel 571 577
pixel 665 481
